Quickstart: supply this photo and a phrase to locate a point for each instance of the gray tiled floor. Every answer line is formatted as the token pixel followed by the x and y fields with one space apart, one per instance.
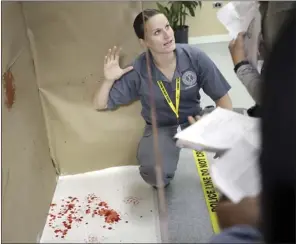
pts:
pixel 188 218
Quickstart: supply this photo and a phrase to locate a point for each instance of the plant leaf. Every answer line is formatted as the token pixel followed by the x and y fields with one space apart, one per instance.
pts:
pixel 161 8
pixel 191 11
pixel 178 11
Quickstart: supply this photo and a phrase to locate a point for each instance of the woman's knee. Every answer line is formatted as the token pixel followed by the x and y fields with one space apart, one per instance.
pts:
pixel 149 175
pixel 169 153
pixel 168 161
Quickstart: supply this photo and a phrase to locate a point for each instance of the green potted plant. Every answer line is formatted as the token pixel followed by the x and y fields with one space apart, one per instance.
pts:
pixel 176 12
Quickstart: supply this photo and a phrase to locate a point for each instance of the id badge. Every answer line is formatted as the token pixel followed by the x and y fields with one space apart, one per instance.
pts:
pixel 179 129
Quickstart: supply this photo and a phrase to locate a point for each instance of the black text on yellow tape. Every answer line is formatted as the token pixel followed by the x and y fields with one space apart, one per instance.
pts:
pixel 210 193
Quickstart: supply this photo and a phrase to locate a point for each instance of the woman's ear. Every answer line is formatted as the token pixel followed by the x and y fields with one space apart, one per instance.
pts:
pixel 142 43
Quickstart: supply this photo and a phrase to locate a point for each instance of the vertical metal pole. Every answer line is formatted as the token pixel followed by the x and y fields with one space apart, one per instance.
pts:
pixel 158 161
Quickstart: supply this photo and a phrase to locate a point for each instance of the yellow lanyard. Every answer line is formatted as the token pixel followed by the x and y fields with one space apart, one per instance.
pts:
pixel 167 97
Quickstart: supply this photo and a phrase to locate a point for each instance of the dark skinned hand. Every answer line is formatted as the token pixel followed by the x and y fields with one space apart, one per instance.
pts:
pixel 245 212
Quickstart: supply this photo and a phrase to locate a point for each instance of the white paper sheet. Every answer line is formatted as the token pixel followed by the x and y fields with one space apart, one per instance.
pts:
pixel 236 174
pixel 219 131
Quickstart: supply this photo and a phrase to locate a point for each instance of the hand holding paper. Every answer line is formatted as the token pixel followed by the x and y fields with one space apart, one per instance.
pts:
pixel 237 138
pixel 219 131
pixel 239 16
pixel 237 48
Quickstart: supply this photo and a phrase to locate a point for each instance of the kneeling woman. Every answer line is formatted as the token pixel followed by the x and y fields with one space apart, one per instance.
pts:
pixel 179 71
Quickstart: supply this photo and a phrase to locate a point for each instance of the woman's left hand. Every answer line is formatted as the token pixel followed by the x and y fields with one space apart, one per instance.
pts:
pixel 192 119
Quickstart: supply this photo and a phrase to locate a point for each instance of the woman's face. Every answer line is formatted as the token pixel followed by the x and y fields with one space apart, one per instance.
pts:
pixel 159 35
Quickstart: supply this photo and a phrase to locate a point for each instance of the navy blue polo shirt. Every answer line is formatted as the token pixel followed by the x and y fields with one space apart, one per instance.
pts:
pixel 196 70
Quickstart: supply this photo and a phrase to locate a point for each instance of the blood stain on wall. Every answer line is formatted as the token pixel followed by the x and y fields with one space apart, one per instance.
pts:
pixel 9 88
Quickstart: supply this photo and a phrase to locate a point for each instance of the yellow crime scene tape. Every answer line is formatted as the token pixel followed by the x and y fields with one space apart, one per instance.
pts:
pixel 210 193
pixel 209 190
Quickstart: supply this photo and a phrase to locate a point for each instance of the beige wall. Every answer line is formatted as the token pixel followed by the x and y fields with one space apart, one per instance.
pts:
pixel 28 176
pixel 70 40
pixel 205 22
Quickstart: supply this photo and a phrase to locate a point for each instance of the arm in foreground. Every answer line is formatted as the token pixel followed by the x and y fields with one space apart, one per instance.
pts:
pixel 239 223
pixel 251 79
pixel 246 73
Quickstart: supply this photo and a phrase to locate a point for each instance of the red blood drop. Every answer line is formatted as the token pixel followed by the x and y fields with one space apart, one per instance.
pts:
pixel 71 206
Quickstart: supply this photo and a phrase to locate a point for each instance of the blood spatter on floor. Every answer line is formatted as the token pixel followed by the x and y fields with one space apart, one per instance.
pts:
pixel 71 211
pixel 111 216
pixel 68 212
pixel 132 200
pixel 101 208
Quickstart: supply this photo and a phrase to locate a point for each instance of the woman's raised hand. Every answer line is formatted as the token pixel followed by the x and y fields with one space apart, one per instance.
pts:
pixel 112 70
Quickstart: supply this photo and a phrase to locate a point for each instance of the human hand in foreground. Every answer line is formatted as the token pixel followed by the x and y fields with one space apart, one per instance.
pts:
pixel 112 70
pixel 192 119
pixel 246 212
pixel 237 49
